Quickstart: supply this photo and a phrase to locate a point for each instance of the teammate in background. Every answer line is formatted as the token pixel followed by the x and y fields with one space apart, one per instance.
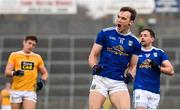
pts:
pixel 5 97
pixel 152 62
pixel 23 67
pixel 117 49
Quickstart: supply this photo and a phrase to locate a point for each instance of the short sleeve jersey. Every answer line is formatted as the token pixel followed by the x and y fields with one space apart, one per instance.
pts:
pixel 146 77
pixel 117 51
pixel 29 63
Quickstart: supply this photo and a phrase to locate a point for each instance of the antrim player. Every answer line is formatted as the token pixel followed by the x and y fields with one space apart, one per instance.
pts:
pixel 5 97
pixel 152 62
pixel 23 66
pixel 118 49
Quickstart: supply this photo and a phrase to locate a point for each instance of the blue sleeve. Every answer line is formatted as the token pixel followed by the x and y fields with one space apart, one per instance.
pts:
pixel 137 48
pixel 164 56
pixel 100 38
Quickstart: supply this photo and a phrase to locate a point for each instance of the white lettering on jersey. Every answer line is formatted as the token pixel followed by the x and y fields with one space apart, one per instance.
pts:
pixel 113 38
pixel 121 40
pixel 140 55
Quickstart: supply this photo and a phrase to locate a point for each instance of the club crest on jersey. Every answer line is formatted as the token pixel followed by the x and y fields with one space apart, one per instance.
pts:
pixel 27 65
pixel 130 43
pixel 155 54
pixel 118 50
pixel 145 64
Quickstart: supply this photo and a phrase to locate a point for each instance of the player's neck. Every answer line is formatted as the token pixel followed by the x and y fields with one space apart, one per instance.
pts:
pixel 147 47
pixel 26 52
pixel 125 31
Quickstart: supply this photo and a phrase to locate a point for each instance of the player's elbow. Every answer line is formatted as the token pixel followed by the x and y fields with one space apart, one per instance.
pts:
pixel 172 72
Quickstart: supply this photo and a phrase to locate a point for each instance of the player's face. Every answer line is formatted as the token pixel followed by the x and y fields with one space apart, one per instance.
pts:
pixel 123 21
pixel 28 46
pixel 146 39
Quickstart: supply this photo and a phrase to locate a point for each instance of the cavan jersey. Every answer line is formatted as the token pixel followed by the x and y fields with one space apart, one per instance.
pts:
pixel 146 77
pixel 29 63
pixel 116 52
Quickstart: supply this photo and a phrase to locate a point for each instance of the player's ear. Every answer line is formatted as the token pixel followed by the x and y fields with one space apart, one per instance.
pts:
pixel 153 39
pixel 131 22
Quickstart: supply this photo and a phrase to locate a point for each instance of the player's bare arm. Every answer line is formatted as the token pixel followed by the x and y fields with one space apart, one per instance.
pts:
pixel 132 65
pixel 43 72
pixel 9 70
pixel 93 57
pixel 167 68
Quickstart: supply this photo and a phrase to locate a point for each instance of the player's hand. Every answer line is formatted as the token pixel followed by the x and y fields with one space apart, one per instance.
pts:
pixel 96 69
pixel 18 73
pixel 154 65
pixel 128 78
pixel 40 84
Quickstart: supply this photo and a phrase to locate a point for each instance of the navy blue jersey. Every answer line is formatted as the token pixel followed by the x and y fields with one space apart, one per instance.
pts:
pixel 146 77
pixel 116 52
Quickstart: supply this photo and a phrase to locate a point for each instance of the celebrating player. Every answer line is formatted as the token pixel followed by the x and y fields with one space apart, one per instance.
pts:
pixel 118 49
pixel 152 62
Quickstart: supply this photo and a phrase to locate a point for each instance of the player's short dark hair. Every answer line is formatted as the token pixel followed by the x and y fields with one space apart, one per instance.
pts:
pixel 31 37
pixel 131 10
pixel 152 33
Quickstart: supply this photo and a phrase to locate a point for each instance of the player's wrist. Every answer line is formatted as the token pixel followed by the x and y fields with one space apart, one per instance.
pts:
pixel 128 78
pixel 129 75
pixel 12 73
pixel 43 81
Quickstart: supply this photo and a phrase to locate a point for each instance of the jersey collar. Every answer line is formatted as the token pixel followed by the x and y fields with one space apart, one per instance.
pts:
pixel 25 53
pixel 122 33
pixel 146 50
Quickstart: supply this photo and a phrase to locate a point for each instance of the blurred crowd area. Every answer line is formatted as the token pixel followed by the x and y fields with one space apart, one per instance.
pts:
pixel 65 42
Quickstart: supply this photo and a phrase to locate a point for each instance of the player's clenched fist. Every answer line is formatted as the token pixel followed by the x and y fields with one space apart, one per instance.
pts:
pixel 97 68
pixel 40 84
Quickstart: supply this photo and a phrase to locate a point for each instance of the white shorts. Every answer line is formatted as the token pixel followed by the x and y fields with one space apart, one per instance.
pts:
pixel 147 99
pixel 19 96
pixel 107 86
pixel 6 107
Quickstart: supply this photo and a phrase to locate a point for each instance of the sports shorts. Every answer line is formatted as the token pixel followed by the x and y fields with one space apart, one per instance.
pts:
pixel 146 99
pixel 106 86
pixel 19 96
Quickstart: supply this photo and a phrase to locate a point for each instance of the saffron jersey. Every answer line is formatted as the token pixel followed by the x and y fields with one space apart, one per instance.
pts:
pixel 117 49
pixel 29 63
pixel 5 97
